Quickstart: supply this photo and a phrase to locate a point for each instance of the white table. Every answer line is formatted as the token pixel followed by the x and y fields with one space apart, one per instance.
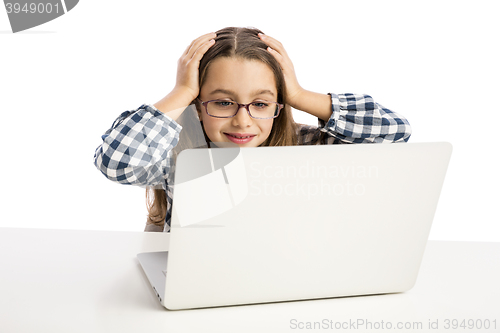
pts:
pixel 90 281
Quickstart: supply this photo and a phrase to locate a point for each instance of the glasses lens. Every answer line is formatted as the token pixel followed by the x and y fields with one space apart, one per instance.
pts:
pixel 222 108
pixel 263 109
pixel 258 109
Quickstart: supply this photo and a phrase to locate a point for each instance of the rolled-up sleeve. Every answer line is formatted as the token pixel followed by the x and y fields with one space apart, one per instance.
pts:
pixel 137 149
pixel 357 118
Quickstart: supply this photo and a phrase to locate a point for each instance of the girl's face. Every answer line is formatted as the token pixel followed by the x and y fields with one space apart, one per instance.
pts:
pixel 242 81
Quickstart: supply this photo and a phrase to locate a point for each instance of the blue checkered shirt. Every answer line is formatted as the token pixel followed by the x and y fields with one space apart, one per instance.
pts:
pixel 138 148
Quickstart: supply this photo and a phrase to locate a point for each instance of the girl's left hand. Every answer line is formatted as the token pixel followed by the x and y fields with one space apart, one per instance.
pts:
pixel 293 88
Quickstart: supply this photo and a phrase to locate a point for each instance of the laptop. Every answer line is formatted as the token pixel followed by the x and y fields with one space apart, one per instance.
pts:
pixel 274 224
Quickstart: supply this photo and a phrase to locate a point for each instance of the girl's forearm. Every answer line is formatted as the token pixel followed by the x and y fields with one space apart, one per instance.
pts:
pixel 174 103
pixel 319 105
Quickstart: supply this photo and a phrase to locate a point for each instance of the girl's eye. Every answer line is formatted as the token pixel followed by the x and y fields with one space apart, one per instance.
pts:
pixel 260 105
pixel 223 103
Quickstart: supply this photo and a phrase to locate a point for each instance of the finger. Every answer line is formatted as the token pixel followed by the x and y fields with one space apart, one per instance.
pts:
pixel 195 44
pixel 200 52
pixel 284 62
pixel 196 41
pixel 279 51
pixel 273 43
pixel 277 55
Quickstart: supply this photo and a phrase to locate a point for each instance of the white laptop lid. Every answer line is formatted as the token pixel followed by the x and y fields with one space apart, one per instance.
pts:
pixel 300 222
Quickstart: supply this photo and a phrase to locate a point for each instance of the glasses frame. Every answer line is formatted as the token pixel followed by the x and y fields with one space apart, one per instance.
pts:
pixel 246 106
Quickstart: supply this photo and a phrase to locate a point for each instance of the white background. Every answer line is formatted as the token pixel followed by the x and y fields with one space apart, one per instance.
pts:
pixel 63 83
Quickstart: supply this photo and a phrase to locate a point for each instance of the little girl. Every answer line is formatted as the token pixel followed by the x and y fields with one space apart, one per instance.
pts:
pixel 235 86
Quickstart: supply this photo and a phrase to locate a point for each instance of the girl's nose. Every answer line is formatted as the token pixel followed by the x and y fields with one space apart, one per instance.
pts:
pixel 242 118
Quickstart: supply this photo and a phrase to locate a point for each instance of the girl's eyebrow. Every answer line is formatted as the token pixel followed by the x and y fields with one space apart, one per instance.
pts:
pixel 230 92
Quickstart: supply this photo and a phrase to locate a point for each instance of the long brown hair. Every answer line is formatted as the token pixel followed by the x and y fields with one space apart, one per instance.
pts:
pixel 243 43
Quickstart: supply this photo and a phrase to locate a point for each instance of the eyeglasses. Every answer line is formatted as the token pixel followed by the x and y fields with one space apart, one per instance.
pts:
pixel 221 108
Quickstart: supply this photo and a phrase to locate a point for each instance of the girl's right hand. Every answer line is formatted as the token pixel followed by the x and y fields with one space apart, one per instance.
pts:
pixel 188 66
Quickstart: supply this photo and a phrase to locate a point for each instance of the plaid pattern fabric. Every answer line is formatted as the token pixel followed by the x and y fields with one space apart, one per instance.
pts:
pixel 137 149
pixel 357 118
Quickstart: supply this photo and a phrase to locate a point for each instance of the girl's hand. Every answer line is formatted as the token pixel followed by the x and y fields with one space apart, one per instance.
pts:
pixel 186 86
pixel 293 89
pixel 316 104
pixel 188 65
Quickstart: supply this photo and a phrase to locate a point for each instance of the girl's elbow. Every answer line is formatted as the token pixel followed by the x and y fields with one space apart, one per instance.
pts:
pixel 110 169
pixel 403 134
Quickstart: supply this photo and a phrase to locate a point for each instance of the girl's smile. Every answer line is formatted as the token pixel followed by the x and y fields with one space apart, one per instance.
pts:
pixel 240 138
pixel 242 81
